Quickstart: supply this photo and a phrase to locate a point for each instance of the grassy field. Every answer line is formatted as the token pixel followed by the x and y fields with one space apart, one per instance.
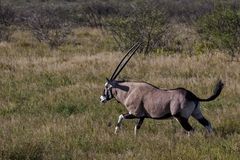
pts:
pixel 50 109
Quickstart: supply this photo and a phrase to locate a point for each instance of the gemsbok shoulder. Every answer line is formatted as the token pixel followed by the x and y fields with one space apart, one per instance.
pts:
pixel 143 100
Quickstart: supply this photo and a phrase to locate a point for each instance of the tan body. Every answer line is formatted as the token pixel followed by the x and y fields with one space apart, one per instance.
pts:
pixel 143 100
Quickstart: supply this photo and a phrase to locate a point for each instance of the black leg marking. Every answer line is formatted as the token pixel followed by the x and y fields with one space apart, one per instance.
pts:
pixel 118 124
pixel 184 122
pixel 204 121
pixel 206 124
pixel 200 118
pixel 124 116
pixel 121 118
pixel 129 116
pixel 139 123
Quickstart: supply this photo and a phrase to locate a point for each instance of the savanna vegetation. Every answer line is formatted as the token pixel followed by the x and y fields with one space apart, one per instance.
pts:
pixel 55 55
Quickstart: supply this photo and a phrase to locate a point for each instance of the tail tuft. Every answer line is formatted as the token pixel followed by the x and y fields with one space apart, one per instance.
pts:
pixel 218 88
pixel 216 92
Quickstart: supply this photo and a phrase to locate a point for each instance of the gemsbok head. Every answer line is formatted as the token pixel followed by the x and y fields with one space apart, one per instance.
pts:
pixel 143 100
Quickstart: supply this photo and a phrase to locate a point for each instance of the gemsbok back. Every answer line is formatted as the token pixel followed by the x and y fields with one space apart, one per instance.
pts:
pixel 143 100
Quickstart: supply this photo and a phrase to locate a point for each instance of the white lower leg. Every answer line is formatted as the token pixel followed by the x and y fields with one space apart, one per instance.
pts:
pixel 135 130
pixel 120 118
pixel 116 129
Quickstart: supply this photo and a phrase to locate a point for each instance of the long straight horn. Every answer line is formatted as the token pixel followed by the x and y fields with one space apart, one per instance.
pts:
pixel 129 51
pixel 134 49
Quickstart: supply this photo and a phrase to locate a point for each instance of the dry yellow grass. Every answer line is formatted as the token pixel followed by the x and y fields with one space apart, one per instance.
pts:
pixel 50 109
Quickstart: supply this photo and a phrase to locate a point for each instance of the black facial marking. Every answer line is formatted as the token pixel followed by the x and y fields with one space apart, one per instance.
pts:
pixel 124 88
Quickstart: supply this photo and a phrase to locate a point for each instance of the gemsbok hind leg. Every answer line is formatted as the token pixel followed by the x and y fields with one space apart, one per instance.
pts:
pixel 184 123
pixel 121 118
pixel 197 114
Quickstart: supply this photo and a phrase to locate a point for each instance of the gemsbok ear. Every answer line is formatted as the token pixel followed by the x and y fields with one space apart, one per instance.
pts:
pixel 107 79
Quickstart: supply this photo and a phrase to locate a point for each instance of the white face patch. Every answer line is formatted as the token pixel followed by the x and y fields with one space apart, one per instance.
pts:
pixel 107 94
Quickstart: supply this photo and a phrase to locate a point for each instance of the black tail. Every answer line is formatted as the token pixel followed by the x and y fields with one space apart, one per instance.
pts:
pixel 216 92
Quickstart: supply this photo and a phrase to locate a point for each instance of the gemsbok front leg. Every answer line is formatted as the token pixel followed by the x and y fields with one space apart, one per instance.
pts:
pixel 121 118
pixel 138 125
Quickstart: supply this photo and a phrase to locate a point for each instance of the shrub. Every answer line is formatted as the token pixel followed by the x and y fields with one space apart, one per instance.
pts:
pixel 7 15
pixel 180 38
pixel 146 23
pixel 187 11
pixel 222 29
pixel 95 12
pixel 48 27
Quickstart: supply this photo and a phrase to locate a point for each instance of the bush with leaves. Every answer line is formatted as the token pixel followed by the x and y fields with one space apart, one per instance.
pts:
pixel 222 29
pixel 48 27
pixel 145 22
pixel 7 16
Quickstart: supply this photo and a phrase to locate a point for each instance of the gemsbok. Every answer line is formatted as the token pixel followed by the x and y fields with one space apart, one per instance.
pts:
pixel 143 100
